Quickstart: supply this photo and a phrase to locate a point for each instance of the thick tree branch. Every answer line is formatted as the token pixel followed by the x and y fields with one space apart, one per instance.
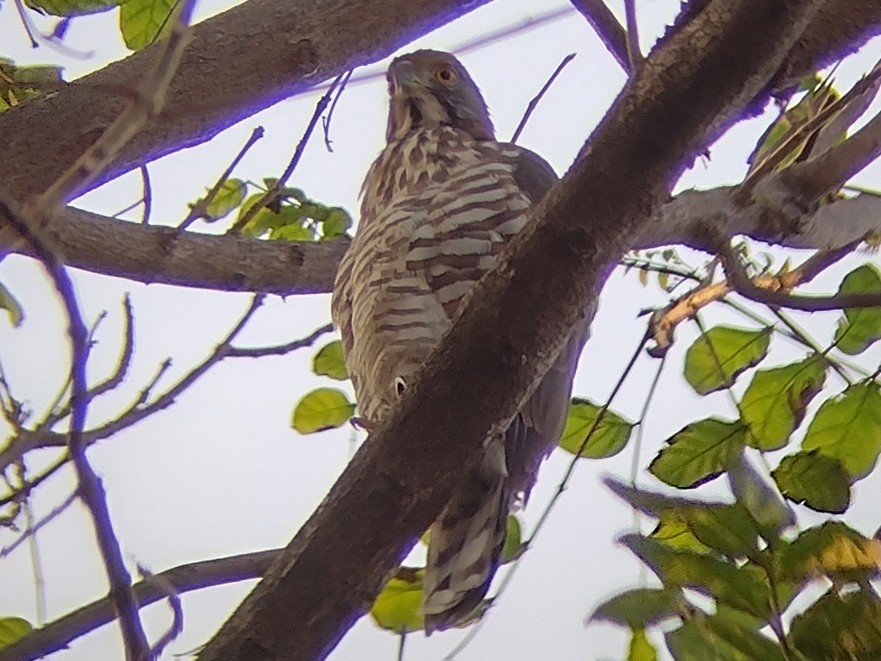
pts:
pixel 238 63
pixel 686 92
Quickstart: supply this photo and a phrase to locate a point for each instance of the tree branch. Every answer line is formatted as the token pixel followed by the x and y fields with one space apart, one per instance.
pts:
pixel 688 90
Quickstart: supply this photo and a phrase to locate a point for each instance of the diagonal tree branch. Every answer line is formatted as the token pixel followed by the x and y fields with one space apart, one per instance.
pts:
pixel 685 93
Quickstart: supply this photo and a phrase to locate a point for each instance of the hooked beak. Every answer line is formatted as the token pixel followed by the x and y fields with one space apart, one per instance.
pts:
pixel 404 77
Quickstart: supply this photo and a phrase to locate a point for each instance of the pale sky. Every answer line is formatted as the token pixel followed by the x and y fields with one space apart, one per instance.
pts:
pixel 222 472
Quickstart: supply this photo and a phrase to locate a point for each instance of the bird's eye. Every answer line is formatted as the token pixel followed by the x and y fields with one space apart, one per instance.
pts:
pixel 445 76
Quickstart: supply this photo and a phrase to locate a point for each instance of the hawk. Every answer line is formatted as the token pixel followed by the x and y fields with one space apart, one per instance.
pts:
pixel 439 204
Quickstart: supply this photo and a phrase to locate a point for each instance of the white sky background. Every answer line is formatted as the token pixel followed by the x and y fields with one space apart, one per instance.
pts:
pixel 222 472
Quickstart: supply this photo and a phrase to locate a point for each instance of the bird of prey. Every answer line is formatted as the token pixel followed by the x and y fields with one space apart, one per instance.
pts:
pixel 439 204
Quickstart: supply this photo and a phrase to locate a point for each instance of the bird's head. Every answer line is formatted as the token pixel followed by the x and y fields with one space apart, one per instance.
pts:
pixel 429 88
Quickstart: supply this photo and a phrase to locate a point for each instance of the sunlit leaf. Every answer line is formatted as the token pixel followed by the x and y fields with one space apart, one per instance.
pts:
pixel 11 629
pixel 323 408
pixel 640 607
pixel 513 546
pixel 859 328
pixel 329 361
pixel 720 638
pixel 398 607
pixel 142 21
pixel 840 626
pixel 698 453
pixel 337 223
pixel 832 549
pixel 719 356
pixel 9 303
pixel 640 648
pixel 761 501
pixel 293 232
pixel 848 428
pixel 71 7
pixel 673 531
pixel 774 403
pixel 740 586
pixel 608 438
pixel 230 195
pixel 812 478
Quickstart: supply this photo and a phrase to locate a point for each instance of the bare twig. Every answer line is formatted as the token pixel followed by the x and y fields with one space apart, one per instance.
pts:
pixel 147 196
pixel 32 529
pixel 537 98
pixel 282 349
pixel 634 53
pixel 90 488
pixel 184 578
pixel 608 29
pixel 274 191
pixel 199 209
pixel 325 121
pixel 29 485
pixel 177 622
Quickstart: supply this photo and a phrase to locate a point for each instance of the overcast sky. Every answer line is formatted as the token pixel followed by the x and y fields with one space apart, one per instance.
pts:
pixel 222 472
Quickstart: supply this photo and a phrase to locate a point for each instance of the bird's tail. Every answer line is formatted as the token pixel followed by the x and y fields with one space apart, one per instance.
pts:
pixel 464 546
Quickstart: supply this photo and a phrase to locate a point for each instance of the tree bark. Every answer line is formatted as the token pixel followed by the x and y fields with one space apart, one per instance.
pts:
pixel 685 93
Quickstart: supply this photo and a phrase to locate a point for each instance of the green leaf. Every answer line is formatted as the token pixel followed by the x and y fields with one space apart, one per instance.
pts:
pixel 640 607
pixel 337 223
pixel 143 21
pixel 740 586
pixel 323 408
pixel 774 403
pixel 673 531
pixel 329 361
pixel 230 195
pixel 71 7
pixel 13 628
pixel 294 232
pixel 9 303
pixel 763 503
pixel 608 438
pixel 846 626
pixel 859 328
pixel 698 453
pixel 720 355
pixel 720 638
pixel 818 481
pixel 398 607
pixel 640 648
pixel 513 546
pixel 832 549
pixel 848 428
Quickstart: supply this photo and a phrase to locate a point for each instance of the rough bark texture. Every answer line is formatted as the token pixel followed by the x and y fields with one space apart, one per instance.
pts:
pixel 237 64
pixel 399 480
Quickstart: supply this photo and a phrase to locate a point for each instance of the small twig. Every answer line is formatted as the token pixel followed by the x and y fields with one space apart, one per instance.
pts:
pixel 273 191
pixel 32 529
pixel 177 623
pixel 402 641
pixel 57 635
pixel 325 121
pixel 36 561
pixel 199 209
pixel 147 196
pixel 537 98
pixel 634 52
pixel 281 349
pixel 22 492
pixel 608 29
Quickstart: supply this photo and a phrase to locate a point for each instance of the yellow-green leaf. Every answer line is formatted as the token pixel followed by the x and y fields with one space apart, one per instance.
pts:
pixel 640 648
pixel 640 607
pixel 329 361
pixel 720 355
pixel 230 195
pixel 336 224
pixel 323 408
pixel 398 607
pixel 848 428
pixel 840 626
pixel 71 7
pixel 608 437
pixel 832 549
pixel 774 404
pixel 859 328
pixel 143 21
pixel 9 303
pixel 812 478
pixel 720 638
pixel 513 547
pixel 11 629
pixel 698 453
pixel 763 503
